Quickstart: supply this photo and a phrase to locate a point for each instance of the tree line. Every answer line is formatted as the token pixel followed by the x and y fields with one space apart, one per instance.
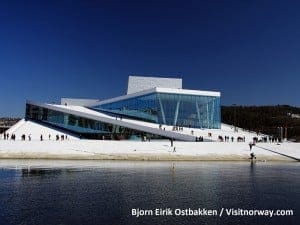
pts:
pixel 264 119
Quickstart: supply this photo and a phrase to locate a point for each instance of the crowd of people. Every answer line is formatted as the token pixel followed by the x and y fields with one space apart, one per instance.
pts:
pixel 58 137
pixel 199 139
pixel 270 139
pixel 228 139
pixel 177 128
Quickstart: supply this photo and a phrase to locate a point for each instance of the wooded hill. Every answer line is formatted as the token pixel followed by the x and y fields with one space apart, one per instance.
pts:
pixel 265 119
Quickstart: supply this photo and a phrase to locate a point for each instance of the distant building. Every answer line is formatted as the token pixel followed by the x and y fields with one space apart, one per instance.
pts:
pixel 295 116
pixel 6 123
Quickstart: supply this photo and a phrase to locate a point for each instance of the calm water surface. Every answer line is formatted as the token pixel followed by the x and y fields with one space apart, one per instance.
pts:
pixel 104 192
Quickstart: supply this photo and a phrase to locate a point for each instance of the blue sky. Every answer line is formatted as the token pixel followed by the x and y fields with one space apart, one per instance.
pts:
pixel 248 50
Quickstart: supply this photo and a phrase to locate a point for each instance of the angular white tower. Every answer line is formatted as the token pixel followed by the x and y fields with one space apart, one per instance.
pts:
pixel 140 83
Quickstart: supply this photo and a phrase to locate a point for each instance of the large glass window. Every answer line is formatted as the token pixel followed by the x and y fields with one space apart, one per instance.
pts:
pixel 171 109
pixel 143 107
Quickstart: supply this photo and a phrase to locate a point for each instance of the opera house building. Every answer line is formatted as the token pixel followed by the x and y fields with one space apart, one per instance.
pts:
pixel 149 104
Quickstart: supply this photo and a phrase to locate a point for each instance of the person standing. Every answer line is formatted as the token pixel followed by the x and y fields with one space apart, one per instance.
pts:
pixel 250 145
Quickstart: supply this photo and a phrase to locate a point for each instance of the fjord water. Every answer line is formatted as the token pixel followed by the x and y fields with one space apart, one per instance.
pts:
pixel 104 192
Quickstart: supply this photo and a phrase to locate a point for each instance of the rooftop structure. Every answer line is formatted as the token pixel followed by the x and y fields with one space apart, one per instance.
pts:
pixel 140 83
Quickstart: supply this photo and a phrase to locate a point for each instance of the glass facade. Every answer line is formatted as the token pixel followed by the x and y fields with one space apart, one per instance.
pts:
pixel 83 127
pixel 170 109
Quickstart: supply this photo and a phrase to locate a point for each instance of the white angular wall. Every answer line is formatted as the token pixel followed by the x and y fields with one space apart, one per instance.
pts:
pixel 139 83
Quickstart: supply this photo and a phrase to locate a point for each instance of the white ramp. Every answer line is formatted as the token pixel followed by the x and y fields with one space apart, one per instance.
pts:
pixel 35 130
pixel 132 124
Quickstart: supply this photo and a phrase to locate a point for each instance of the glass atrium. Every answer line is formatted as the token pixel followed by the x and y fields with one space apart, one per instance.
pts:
pixel 171 109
